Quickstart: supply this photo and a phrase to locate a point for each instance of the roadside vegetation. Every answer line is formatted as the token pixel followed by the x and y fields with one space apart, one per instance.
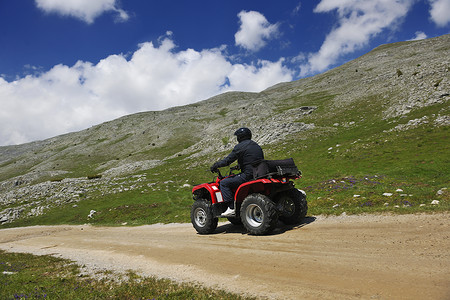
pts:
pixel 26 276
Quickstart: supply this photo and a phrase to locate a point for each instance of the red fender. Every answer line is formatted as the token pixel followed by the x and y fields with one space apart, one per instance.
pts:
pixel 212 189
pixel 261 186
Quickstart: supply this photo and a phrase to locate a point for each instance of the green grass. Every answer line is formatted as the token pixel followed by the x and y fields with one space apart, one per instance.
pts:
pixel 178 141
pixel 415 161
pixel 313 99
pixel 223 112
pixel 159 203
pixel 25 276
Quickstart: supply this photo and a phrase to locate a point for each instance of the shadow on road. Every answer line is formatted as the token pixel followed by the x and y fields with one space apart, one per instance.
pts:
pixel 281 227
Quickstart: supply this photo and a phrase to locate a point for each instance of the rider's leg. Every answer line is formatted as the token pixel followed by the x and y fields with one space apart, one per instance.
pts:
pixel 228 185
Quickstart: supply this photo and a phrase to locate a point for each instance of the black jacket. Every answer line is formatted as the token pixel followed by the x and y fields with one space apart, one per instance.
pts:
pixel 247 153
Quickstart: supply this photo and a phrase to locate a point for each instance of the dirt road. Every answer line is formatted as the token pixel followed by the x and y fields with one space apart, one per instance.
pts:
pixel 368 257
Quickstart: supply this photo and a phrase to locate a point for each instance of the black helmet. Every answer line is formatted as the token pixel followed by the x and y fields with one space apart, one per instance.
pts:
pixel 243 134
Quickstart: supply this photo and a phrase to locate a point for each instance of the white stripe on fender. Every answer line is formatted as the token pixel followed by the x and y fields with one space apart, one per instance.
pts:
pixel 219 197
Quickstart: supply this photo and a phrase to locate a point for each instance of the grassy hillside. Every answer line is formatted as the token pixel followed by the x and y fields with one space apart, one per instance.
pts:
pixel 376 125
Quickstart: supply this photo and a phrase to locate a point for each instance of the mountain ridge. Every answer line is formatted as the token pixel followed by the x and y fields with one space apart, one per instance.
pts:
pixel 382 91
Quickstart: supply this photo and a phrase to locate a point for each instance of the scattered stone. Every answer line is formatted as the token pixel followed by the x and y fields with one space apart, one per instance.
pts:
pixel 441 191
pixel 37 211
pixel 442 121
pixel 356 196
pixel 386 204
pixel 128 168
pixel 411 124
pixel 399 190
pixel 336 206
pixel 396 206
pixel 422 205
pixel 435 202
pixel 8 273
pixel 387 194
pixel 91 214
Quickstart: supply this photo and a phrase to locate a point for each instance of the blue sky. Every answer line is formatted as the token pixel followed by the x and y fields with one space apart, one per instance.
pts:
pixel 66 65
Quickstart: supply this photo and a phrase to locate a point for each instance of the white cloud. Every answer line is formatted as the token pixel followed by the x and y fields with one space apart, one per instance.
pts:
pixel 254 78
pixel 358 22
pixel 66 99
pixel 420 35
pixel 254 31
pixel 86 10
pixel 440 12
pixel 297 9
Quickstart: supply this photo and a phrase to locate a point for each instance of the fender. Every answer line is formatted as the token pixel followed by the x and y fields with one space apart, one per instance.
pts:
pixel 210 188
pixel 262 186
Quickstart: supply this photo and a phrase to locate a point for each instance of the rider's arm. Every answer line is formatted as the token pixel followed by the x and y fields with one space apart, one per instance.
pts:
pixel 233 156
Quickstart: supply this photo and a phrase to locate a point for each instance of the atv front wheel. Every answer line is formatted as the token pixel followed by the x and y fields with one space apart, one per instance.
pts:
pixel 292 206
pixel 202 217
pixel 258 214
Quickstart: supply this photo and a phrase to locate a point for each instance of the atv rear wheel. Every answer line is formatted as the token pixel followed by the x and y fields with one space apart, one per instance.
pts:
pixel 258 214
pixel 292 206
pixel 202 217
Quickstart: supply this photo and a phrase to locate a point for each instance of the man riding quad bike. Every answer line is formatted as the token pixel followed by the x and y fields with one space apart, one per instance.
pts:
pixel 263 193
pixel 259 203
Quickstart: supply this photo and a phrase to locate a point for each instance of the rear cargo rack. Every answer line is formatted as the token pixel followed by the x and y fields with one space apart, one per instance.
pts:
pixel 276 168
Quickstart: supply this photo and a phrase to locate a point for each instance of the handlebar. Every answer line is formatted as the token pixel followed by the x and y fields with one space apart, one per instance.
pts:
pixel 219 174
pixel 234 168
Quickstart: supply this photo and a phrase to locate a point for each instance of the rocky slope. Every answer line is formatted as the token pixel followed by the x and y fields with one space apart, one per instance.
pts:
pixel 389 83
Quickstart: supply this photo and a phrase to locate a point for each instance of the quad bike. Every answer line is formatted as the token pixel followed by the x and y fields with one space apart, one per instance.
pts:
pixel 259 203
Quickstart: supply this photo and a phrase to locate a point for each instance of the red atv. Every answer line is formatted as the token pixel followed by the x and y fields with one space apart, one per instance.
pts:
pixel 259 203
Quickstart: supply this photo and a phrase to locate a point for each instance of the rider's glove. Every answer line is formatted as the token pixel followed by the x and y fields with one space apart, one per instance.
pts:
pixel 214 168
